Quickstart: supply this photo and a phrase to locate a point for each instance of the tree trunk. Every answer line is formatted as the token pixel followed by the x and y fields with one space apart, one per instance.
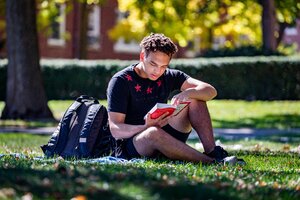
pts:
pixel 268 25
pixel 25 94
pixel 282 27
pixel 81 30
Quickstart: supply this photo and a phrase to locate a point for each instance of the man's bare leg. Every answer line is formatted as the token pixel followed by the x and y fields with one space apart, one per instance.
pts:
pixel 155 139
pixel 200 120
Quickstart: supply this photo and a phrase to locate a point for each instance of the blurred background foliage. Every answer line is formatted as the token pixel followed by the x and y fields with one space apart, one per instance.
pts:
pixel 195 24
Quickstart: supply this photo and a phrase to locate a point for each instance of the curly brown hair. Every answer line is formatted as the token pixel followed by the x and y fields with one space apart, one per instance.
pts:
pixel 158 42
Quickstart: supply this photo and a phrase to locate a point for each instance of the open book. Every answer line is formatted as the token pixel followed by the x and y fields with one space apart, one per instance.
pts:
pixel 161 108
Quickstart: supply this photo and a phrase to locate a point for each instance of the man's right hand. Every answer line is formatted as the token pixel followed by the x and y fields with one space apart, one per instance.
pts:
pixel 159 122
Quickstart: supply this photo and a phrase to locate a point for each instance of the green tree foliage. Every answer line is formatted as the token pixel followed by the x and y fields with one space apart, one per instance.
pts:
pixel 238 21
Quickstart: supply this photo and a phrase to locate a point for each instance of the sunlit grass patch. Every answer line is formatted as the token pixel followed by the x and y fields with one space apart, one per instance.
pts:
pixel 255 114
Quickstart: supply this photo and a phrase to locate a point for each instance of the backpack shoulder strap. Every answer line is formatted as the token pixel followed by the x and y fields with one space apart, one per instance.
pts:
pixel 60 135
pixel 85 131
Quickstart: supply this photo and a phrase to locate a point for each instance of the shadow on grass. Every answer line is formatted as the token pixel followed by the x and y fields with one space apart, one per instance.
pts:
pixel 29 123
pixel 64 181
pixel 267 121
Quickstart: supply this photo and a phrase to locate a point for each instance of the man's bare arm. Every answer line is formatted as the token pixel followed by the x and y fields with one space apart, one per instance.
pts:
pixel 195 89
pixel 120 130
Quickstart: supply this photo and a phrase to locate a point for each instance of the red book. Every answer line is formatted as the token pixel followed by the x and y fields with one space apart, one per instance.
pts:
pixel 161 108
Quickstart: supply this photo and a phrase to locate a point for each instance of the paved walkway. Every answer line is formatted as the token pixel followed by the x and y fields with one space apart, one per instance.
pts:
pixel 225 132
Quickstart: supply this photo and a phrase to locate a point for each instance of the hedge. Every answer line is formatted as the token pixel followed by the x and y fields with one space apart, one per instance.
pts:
pixel 250 78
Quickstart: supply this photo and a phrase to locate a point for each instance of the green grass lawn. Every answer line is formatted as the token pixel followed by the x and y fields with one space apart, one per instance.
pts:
pixel 271 173
pixel 224 114
pixel 272 170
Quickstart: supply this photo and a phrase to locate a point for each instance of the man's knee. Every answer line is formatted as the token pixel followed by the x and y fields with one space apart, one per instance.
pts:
pixel 195 102
pixel 151 135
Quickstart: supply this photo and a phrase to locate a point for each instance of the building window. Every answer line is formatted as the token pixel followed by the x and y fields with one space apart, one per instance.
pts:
pixel 93 32
pixel 123 46
pixel 58 27
pixel 291 31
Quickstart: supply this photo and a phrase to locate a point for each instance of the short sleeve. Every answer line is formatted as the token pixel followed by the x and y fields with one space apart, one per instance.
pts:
pixel 177 77
pixel 117 95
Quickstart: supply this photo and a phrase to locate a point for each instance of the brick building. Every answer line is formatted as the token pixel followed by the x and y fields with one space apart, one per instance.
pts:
pixel 65 41
pixel 99 45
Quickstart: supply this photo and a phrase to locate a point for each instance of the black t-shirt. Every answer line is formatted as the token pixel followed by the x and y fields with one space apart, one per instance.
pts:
pixel 134 96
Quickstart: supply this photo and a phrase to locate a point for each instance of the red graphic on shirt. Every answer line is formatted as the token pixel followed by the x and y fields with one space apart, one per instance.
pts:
pixel 149 90
pixel 138 88
pixel 159 83
pixel 129 78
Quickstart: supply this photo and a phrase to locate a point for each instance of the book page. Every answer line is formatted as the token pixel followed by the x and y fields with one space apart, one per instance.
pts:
pixel 180 107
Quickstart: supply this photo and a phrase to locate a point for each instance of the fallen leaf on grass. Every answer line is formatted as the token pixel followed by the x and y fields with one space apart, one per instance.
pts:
pixel 6 193
pixel 79 197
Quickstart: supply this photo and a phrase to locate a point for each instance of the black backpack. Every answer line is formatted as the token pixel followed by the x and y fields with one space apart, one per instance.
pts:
pixel 83 132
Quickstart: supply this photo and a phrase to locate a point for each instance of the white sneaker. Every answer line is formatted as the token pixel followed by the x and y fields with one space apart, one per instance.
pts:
pixel 230 160
pixel 233 160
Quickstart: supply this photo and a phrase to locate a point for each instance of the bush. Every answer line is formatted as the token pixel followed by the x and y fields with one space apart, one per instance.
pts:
pixel 251 78
pixel 240 51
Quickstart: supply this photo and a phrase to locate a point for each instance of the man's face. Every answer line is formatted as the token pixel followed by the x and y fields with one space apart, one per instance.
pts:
pixel 155 64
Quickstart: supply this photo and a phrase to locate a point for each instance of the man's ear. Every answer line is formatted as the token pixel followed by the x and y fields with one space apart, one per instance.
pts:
pixel 142 56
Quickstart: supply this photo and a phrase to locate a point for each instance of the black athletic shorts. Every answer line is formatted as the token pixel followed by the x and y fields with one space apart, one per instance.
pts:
pixel 129 151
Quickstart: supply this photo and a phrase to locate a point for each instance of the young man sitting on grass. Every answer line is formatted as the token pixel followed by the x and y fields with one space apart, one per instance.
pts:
pixel 133 91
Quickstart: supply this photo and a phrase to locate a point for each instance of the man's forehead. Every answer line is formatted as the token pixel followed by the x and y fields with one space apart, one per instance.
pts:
pixel 158 58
